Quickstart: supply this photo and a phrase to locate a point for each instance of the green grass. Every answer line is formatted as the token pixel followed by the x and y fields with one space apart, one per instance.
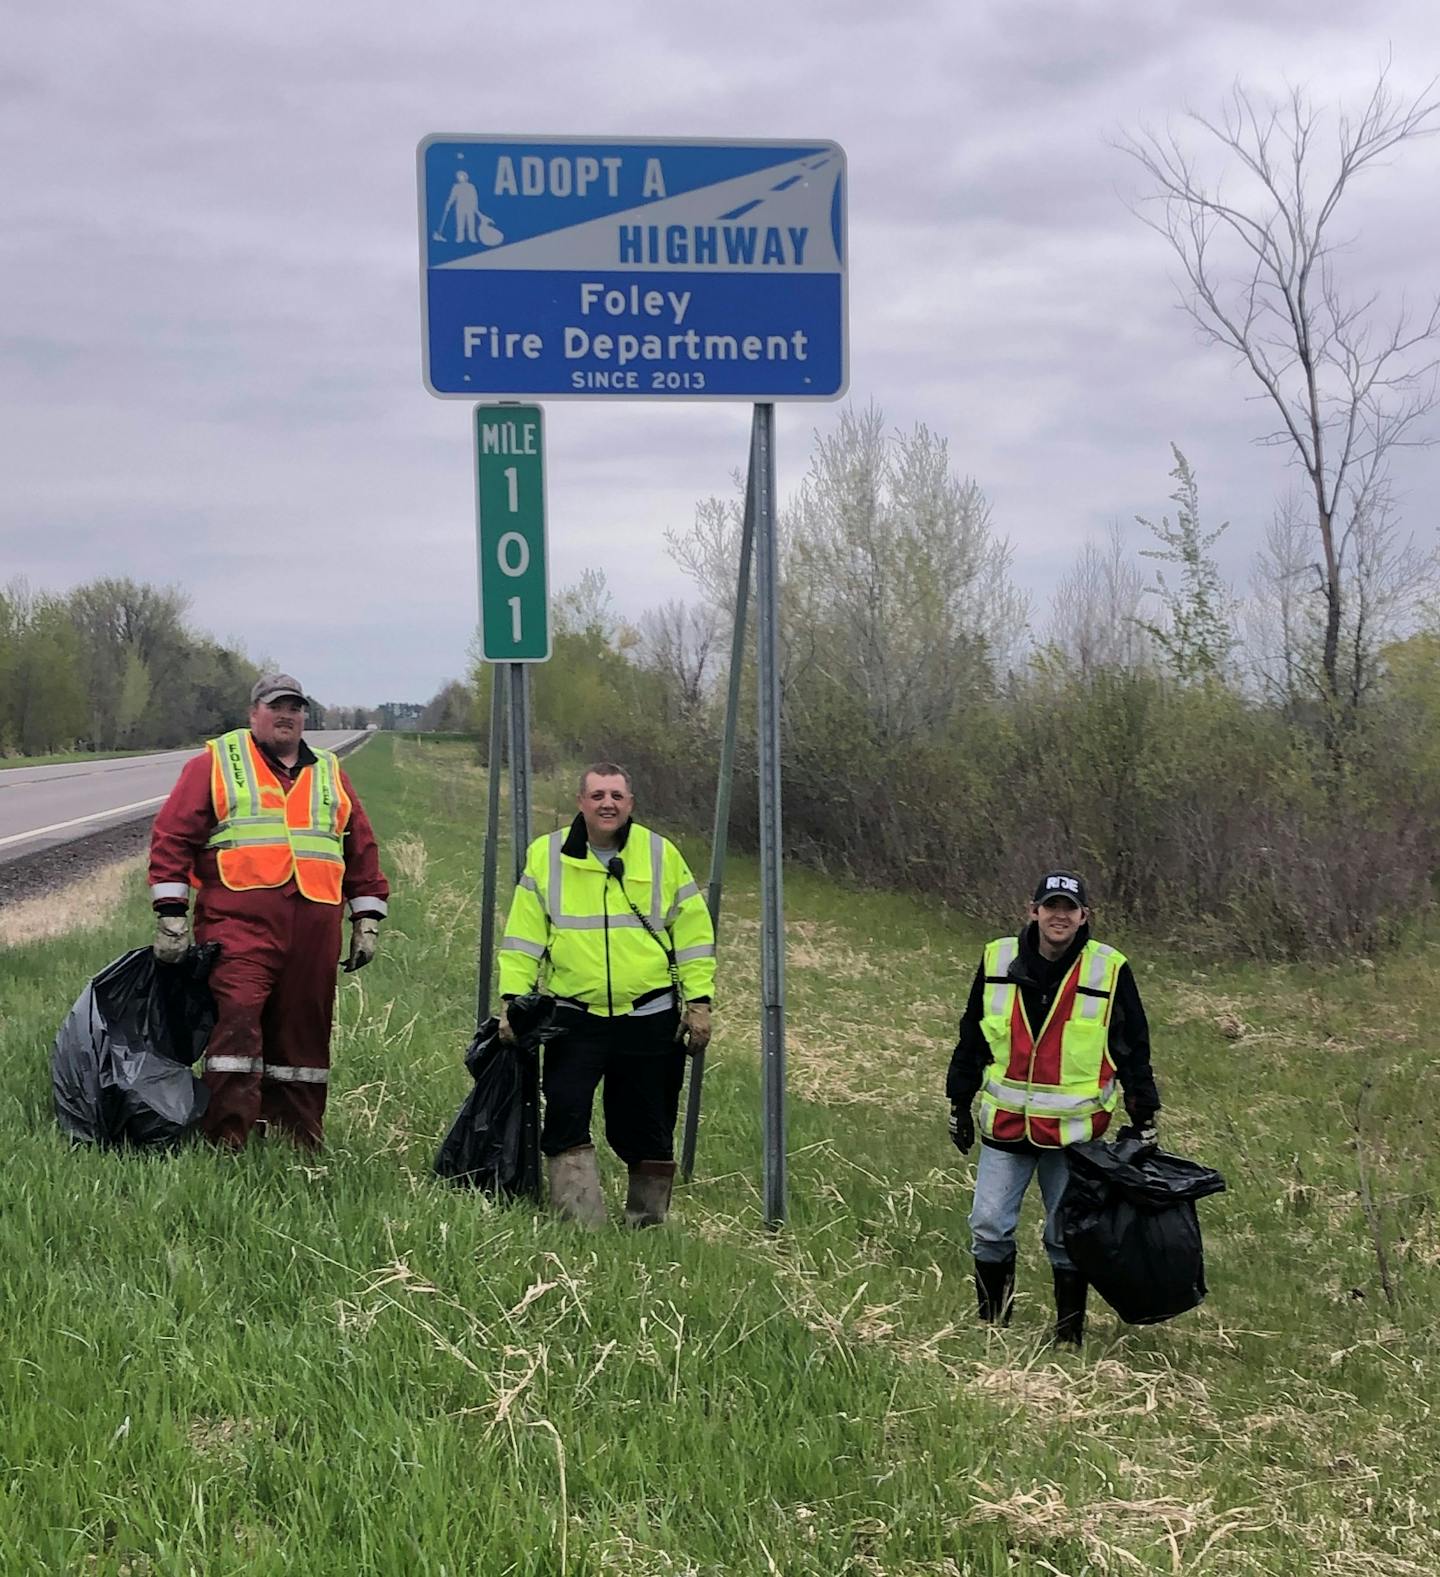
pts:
pixel 276 1365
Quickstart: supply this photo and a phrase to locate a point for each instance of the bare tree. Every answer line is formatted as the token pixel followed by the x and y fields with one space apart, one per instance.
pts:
pixel 1286 592
pixel 1388 580
pixel 1095 614
pixel 896 585
pixel 709 551
pixel 679 641
pixel 1259 278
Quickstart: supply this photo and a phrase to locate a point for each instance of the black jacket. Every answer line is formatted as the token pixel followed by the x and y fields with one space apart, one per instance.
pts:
pixel 1039 978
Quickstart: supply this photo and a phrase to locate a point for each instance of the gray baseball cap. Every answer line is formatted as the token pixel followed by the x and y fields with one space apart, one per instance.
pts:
pixel 270 687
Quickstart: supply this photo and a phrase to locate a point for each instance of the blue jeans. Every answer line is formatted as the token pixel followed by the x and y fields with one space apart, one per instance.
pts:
pixel 1001 1179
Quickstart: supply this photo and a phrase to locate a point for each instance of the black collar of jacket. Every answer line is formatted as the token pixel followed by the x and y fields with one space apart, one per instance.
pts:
pixel 577 845
pixel 1030 967
pixel 306 757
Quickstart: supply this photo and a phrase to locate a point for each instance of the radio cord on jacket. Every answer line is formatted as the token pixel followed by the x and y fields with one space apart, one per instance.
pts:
pixel 616 868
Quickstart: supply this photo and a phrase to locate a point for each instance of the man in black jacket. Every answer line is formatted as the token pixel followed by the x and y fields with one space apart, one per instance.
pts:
pixel 1053 1032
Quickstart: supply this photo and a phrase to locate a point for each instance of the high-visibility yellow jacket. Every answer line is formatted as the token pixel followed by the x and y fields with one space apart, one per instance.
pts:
pixel 570 913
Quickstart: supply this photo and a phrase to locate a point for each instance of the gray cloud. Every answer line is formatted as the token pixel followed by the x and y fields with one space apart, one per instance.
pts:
pixel 209 358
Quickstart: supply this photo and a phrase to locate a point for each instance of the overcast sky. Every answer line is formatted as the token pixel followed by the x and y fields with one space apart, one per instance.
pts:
pixel 210 284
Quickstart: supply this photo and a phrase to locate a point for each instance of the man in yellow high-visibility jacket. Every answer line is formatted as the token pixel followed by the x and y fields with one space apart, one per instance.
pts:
pixel 611 912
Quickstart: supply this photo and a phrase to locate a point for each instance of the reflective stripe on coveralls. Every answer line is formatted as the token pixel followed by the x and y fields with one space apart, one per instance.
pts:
pixel 283 1073
pixel 263 836
pixel 1058 1087
pixel 233 1064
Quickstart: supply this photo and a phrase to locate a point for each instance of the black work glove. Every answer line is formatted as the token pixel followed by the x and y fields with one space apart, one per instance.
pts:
pixel 1144 1120
pixel 962 1127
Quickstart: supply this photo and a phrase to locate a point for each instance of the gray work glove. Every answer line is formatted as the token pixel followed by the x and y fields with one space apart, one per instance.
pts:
pixel 962 1126
pixel 507 1029
pixel 172 938
pixel 364 939
pixel 695 1026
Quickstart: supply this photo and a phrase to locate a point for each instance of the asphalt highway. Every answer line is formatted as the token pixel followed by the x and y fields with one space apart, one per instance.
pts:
pixel 43 807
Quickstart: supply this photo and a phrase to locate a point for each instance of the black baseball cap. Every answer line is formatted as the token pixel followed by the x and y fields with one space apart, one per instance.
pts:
pixel 1061 884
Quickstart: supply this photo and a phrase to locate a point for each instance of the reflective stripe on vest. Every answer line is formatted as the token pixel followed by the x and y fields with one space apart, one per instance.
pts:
pixel 263 836
pixel 1056 1087
pixel 569 912
pixel 553 900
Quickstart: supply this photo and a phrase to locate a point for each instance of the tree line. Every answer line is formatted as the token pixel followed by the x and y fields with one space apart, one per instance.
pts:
pixel 1171 738
pixel 111 665
pixel 114 665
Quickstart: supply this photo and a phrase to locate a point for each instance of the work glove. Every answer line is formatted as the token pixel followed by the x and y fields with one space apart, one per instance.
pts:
pixel 172 938
pixel 364 939
pixel 962 1127
pixel 1146 1126
pixel 507 1029
pixel 695 1026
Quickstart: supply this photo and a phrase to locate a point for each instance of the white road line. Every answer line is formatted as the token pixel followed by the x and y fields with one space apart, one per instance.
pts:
pixel 79 821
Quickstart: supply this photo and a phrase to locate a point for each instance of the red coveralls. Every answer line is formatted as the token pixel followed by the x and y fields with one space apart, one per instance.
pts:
pixel 274 981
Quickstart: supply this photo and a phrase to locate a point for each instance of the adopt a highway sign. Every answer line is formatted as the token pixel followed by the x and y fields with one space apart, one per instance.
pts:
pixel 588 269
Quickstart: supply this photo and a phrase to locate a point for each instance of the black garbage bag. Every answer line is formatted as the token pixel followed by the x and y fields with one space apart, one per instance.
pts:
pixel 1130 1225
pixel 120 1067
pixel 493 1144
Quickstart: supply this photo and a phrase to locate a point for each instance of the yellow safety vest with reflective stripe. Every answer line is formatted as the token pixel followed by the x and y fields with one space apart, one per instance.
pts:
pixel 1056 1086
pixel 264 836
pixel 569 914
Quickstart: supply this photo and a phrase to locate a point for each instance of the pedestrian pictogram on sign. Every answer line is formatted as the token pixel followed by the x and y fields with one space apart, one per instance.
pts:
pixel 511 534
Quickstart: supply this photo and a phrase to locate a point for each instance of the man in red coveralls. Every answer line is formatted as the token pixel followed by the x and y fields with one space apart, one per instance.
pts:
pixel 272 835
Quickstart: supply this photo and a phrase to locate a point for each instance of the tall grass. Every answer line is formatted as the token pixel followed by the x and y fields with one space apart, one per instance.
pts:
pixel 283 1364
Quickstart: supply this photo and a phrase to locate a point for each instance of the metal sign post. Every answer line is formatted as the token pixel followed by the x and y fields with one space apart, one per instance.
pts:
pixel 772 900
pixel 492 849
pixel 519 762
pixel 513 558
pixel 520 838
pixel 720 836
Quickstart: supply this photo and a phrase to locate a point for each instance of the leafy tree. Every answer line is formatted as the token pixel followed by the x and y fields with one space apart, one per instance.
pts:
pixel 450 710
pixel 134 695
pixel 52 713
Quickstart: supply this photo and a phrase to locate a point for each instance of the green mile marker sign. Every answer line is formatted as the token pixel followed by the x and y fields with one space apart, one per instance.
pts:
pixel 510 519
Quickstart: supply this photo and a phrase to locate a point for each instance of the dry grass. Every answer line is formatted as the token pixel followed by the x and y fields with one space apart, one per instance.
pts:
pixel 85 904
pixel 408 859
pixel 1165 1526
pixel 221 1437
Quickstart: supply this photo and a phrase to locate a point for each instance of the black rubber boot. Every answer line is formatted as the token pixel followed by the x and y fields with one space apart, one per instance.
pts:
pixel 995 1289
pixel 1070 1290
